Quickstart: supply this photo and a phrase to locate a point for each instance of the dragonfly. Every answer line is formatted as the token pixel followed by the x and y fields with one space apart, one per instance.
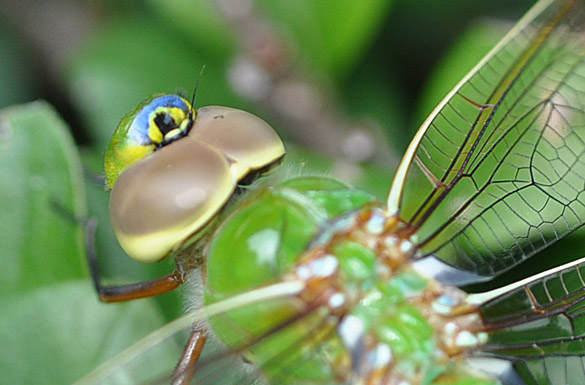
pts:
pixel 309 281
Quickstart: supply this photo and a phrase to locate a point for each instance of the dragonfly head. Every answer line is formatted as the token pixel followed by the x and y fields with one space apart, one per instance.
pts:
pixel 172 170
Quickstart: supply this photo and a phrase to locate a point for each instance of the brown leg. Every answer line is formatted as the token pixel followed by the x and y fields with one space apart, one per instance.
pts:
pixel 186 367
pixel 131 291
pixel 137 290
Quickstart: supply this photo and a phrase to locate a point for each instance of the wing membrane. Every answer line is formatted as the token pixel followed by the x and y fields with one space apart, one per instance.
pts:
pixel 540 327
pixel 499 166
pixel 151 360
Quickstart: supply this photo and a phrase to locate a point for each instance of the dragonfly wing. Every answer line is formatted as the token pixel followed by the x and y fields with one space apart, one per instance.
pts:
pixel 539 326
pixel 153 356
pixel 152 360
pixel 496 173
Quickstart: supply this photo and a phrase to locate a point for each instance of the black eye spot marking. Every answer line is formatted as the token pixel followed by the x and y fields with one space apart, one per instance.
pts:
pixel 165 123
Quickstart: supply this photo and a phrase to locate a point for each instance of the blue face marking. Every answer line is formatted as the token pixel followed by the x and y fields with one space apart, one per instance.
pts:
pixel 139 128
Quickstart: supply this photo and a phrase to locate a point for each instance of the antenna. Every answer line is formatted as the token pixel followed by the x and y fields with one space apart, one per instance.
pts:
pixel 196 86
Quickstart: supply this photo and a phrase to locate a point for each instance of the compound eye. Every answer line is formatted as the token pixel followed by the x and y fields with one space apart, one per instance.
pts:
pixel 251 145
pixel 159 202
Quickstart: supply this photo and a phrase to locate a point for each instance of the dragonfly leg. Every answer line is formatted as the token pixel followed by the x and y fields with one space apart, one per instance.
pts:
pixel 131 291
pixel 185 369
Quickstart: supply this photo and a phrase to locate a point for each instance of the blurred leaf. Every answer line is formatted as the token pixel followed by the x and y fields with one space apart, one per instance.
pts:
pixel 331 35
pixel 40 244
pixel 200 22
pixel 16 68
pixel 372 94
pixel 469 49
pixel 55 334
pixel 131 59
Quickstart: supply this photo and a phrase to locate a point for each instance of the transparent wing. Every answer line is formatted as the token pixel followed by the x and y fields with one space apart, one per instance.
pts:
pixel 497 172
pixel 152 360
pixel 539 326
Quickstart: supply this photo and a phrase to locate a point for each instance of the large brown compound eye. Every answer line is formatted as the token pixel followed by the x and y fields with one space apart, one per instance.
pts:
pixel 163 199
pixel 248 141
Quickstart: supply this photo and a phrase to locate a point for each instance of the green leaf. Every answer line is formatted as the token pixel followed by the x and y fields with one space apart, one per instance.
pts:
pixel 200 22
pixel 377 98
pixel 17 74
pixel 40 243
pixel 332 35
pixel 56 334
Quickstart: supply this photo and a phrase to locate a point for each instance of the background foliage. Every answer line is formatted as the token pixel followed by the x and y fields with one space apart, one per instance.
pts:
pixel 345 83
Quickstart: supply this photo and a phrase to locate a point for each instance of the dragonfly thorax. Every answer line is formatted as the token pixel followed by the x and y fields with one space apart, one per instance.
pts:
pixel 388 317
pixel 370 312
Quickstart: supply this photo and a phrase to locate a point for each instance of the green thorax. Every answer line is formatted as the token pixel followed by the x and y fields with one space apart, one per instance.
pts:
pixel 302 228
pixel 271 228
pixel 257 245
